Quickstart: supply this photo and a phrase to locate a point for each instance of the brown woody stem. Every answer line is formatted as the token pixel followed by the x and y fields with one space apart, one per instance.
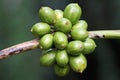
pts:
pixel 16 49
pixel 32 44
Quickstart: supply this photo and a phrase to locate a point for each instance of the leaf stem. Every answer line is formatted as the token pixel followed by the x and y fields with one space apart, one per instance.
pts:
pixel 32 44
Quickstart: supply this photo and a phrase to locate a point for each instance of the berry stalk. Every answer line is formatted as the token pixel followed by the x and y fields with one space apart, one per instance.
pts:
pixel 32 44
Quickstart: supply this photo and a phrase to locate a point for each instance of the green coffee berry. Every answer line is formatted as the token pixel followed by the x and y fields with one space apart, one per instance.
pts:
pixel 40 29
pixel 62 58
pixel 58 14
pixel 68 27
pixel 78 63
pixel 60 40
pixel 61 71
pixel 72 12
pixel 81 24
pixel 75 47
pixel 46 41
pixel 48 58
pixel 63 25
pixel 79 34
pixel 47 15
pixel 89 46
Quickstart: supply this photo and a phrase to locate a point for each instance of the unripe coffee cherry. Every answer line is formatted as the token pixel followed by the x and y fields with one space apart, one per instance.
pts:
pixel 72 12
pixel 78 63
pixel 63 25
pixel 40 29
pixel 89 46
pixel 48 58
pixel 62 58
pixel 61 71
pixel 60 40
pixel 81 24
pixel 79 34
pixel 47 15
pixel 58 14
pixel 46 41
pixel 75 47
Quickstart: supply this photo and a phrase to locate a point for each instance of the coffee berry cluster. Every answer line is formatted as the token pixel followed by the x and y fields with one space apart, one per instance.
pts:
pixel 63 39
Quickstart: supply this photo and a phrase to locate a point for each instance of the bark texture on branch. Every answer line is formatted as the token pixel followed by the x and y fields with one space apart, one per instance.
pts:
pixel 32 44
pixel 19 48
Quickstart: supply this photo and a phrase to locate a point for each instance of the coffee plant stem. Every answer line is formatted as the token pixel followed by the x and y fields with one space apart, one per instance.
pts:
pixel 105 34
pixel 32 44
pixel 16 49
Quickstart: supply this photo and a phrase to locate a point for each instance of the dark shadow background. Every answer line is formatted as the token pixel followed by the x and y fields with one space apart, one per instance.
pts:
pixel 16 19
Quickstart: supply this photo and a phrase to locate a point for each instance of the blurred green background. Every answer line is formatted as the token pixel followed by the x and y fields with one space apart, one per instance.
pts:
pixel 16 19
